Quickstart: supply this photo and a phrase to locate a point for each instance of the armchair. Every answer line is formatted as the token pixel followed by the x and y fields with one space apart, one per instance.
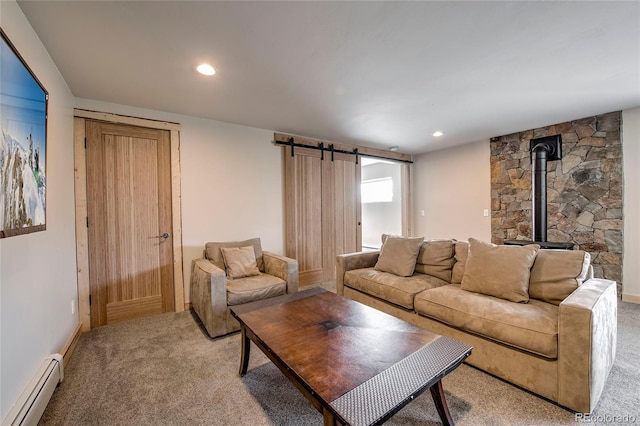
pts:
pixel 213 291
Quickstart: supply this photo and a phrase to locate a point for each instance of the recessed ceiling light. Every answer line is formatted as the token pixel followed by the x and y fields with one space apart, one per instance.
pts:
pixel 393 148
pixel 438 133
pixel 206 69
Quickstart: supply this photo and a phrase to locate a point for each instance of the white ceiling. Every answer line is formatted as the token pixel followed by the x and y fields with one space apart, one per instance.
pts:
pixel 371 73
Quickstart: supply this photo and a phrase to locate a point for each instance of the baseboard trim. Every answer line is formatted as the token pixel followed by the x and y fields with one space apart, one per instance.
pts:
pixel 630 298
pixel 67 350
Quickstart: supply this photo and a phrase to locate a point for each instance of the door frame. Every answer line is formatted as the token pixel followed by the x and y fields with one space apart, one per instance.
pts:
pixel 82 238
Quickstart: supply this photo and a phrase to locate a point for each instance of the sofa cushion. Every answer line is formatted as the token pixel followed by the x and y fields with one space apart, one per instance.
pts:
pixel 256 287
pixel 390 287
pixel 213 253
pixel 500 271
pixel 240 261
pixel 462 251
pixel 557 273
pixel 532 327
pixel 436 258
pixel 398 255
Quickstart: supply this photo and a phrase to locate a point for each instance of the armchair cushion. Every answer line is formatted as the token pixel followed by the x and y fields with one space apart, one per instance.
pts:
pixel 251 289
pixel 240 262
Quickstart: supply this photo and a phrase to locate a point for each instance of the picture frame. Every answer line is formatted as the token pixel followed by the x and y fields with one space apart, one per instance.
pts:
pixel 24 106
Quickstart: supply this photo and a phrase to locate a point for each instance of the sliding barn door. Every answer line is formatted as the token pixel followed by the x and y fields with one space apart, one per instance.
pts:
pixel 345 176
pixel 322 211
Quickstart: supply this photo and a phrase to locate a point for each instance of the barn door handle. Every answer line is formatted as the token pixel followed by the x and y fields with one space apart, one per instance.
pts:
pixel 165 235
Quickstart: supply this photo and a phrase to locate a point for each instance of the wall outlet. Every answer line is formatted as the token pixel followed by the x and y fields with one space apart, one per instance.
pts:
pixel 486 212
pixel 422 213
pixel 73 306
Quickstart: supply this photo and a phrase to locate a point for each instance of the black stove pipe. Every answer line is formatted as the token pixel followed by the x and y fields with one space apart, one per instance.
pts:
pixel 542 150
pixel 539 196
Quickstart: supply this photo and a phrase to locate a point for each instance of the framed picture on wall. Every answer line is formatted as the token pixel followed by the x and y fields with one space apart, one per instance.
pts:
pixel 23 145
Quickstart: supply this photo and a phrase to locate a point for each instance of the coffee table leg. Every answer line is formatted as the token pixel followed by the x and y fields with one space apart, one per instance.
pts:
pixel 329 419
pixel 437 392
pixel 246 347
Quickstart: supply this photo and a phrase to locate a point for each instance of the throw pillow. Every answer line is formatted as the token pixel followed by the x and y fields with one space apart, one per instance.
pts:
pixel 557 273
pixel 385 236
pixel 499 271
pixel 240 262
pixel 213 253
pixel 462 251
pixel 398 255
pixel 436 258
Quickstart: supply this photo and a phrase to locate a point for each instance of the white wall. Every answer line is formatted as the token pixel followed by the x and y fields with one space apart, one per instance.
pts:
pixel 231 182
pixel 453 187
pixel 38 270
pixel 631 157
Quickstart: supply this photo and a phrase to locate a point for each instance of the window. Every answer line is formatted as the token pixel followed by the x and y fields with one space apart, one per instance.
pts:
pixel 381 200
pixel 377 190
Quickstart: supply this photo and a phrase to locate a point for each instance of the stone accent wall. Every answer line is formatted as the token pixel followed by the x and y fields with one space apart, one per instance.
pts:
pixel 584 189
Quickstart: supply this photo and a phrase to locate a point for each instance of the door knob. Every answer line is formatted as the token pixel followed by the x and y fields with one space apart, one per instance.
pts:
pixel 165 235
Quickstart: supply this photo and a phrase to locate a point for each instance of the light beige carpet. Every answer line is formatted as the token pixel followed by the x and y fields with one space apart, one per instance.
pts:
pixel 164 370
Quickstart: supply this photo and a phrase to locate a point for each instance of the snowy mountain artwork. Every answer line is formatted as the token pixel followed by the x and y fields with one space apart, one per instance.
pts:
pixel 23 122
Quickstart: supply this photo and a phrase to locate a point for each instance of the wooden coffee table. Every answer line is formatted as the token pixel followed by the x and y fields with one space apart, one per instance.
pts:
pixel 355 364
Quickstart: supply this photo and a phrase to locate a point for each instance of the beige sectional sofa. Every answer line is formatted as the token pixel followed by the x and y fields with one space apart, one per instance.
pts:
pixel 536 318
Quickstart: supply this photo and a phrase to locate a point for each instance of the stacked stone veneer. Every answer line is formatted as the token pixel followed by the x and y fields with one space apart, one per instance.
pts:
pixel 584 189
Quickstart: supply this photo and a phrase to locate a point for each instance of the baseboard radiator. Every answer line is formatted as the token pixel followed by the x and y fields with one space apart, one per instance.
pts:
pixel 31 404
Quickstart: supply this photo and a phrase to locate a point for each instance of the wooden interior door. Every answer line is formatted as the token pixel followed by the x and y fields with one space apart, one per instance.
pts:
pixel 129 222
pixel 322 211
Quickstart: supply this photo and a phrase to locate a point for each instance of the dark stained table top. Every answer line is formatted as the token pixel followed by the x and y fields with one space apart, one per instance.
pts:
pixel 338 347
